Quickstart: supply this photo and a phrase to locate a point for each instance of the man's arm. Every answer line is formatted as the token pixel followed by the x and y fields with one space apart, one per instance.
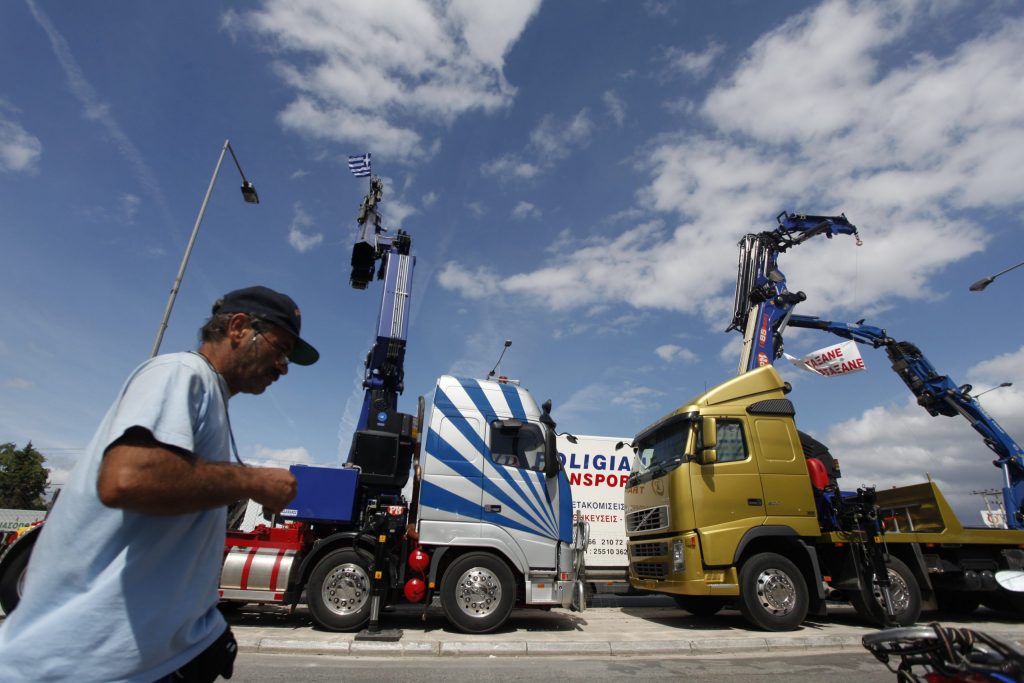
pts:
pixel 140 474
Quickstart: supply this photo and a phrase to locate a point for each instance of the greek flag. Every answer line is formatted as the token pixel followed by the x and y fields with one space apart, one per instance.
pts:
pixel 359 165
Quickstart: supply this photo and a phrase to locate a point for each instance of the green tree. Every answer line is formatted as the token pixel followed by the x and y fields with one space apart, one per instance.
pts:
pixel 23 479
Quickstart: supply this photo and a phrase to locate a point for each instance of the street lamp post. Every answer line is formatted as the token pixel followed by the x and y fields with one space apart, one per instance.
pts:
pixel 250 196
pixel 986 281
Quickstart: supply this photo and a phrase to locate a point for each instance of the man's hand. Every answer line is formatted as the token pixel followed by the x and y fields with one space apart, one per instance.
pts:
pixel 275 488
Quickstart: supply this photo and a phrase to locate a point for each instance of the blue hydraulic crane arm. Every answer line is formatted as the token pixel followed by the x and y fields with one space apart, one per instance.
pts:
pixel 763 302
pixel 385 363
pixel 939 395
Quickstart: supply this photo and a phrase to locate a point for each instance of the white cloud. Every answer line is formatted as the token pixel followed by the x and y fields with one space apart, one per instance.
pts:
pixel 477 209
pixel 589 275
pixel 551 141
pixel 369 73
pixel 429 199
pixel 301 240
pixel 554 140
pixel 472 284
pixel 635 398
pixel 19 383
pixel 524 210
pixel 905 146
pixel 510 166
pixel 681 106
pixel 128 205
pixel 263 456
pixel 731 350
pixel 657 8
pixel 124 210
pixel 616 106
pixel 589 402
pixel 19 149
pixel 395 209
pixel 673 352
pixel 694 64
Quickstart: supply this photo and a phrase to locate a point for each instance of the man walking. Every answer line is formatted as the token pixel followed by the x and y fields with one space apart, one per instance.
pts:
pixel 123 581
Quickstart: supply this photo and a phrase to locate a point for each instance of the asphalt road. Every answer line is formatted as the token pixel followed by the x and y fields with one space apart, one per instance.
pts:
pixel 755 668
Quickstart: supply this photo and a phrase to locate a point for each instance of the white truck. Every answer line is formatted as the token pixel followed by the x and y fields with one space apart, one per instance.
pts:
pixel 597 474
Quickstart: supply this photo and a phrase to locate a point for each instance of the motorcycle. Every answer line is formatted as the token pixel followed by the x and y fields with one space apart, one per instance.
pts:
pixel 946 655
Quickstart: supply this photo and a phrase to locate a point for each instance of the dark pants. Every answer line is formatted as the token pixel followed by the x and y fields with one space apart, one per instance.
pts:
pixel 216 660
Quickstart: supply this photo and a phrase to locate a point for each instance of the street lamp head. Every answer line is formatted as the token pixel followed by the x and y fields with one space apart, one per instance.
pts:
pixel 985 282
pixel 249 193
pixel 982 284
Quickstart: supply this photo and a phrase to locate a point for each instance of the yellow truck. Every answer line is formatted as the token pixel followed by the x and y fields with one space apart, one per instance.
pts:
pixel 728 503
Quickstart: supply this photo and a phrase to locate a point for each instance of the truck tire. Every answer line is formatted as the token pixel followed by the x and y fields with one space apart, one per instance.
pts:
pixel 477 592
pixel 13 580
pixel 339 590
pixel 906 596
pixel 700 605
pixel 773 593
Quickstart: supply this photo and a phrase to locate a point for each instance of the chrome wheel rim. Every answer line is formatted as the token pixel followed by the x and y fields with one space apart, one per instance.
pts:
pixel 478 593
pixel 899 592
pixel 346 589
pixel 776 592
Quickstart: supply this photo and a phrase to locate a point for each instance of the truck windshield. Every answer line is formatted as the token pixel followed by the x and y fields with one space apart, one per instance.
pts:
pixel 662 448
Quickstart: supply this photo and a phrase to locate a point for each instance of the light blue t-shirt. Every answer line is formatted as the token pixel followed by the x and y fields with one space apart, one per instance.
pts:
pixel 113 595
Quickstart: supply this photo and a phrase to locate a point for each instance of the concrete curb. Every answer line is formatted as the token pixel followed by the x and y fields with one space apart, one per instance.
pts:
pixel 559 648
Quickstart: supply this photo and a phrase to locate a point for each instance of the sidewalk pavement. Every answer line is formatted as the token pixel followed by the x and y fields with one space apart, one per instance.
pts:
pixel 657 629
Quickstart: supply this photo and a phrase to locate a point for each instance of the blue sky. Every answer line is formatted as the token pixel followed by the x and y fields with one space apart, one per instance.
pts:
pixel 575 176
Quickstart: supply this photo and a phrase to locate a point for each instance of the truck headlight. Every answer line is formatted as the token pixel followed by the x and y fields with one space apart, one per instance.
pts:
pixel 677 556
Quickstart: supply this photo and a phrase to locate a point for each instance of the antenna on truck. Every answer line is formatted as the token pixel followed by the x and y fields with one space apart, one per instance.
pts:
pixel 508 343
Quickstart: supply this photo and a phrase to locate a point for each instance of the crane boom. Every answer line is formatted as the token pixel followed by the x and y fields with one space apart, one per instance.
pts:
pixel 383 440
pixel 763 307
pixel 763 301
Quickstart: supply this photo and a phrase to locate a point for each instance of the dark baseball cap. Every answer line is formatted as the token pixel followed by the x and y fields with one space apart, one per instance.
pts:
pixel 273 308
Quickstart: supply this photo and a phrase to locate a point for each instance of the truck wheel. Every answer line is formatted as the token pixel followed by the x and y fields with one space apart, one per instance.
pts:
pixel 957 603
pixel 339 590
pixel 773 593
pixel 905 593
pixel 12 583
pixel 478 592
pixel 700 605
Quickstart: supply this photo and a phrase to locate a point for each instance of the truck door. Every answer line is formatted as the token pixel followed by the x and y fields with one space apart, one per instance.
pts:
pixel 452 473
pixel 783 472
pixel 727 495
pixel 517 496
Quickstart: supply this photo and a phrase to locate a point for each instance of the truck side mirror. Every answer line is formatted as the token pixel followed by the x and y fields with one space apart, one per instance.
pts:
pixel 709 432
pixel 551 457
pixel 551 464
pixel 709 441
